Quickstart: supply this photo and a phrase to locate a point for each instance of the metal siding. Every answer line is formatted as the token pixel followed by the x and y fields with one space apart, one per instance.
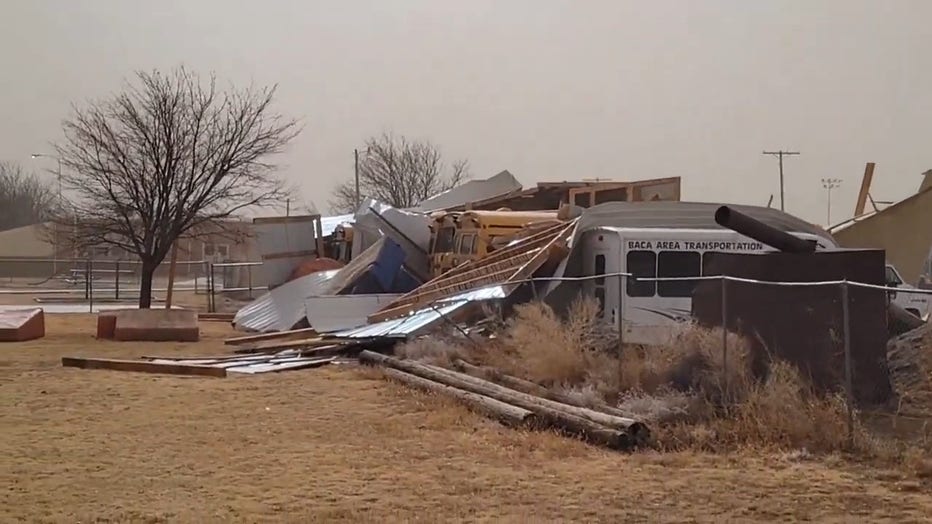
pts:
pixel 472 191
pixel 275 238
pixel 282 305
pixel 403 327
pixel 327 314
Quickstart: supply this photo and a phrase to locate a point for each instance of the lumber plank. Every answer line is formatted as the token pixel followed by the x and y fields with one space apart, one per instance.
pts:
pixel 142 366
pixel 246 339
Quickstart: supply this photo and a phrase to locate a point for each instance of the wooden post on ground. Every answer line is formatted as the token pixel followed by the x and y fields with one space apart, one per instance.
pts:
pixel 171 275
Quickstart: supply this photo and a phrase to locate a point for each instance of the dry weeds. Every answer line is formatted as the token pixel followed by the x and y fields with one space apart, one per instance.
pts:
pixel 694 395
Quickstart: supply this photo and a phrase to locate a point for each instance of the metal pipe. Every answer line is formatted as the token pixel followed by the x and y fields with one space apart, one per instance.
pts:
pixel 752 228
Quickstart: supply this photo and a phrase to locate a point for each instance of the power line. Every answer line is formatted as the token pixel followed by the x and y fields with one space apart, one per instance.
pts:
pixel 780 154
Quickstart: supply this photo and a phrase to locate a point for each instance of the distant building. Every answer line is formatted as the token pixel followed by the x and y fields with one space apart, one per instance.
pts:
pixel 903 229
pixel 29 251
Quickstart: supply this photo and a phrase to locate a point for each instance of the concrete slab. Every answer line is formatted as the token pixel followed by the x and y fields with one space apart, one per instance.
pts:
pixel 22 325
pixel 157 325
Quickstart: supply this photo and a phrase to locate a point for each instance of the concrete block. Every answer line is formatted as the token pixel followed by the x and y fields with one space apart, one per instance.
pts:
pixel 22 325
pixel 106 325
pixel 157 325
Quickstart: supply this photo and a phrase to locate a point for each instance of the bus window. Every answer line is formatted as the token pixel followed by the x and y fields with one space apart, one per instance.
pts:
pixel 445 238
pixel 467 245
pixel 705 264
pixel 600 282
pixel 678 264
pixel 641 264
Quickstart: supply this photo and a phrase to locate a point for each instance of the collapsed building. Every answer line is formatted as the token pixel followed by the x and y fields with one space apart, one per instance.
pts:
pixel 449 263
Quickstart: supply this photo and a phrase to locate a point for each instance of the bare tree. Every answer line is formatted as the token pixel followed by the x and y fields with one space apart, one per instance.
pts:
pixel 166 157
pixel 399 172
pixel 24 198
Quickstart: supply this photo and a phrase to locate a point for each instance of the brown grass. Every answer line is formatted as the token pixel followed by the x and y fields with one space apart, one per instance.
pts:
pixel 340 444
pixel 694 395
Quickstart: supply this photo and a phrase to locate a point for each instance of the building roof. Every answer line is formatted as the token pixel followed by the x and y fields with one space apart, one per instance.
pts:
pixel 924 190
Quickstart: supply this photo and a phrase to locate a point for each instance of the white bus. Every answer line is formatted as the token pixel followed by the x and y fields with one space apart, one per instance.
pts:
pixel 649 310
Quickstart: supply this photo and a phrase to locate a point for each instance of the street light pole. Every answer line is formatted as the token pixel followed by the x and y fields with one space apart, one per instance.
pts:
pixel 58 174
pixel 829 184
pixel 55 234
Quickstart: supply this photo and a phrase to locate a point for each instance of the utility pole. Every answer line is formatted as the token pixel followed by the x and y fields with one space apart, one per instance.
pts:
pixel 356 159
pixel 829 184
pixel 779 155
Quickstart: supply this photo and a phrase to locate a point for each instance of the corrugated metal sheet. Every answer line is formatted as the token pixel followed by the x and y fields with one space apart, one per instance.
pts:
pixel 268 313
pixel 289 298
pixel 259 315
pixel 284 244
pixel 255 364
pixel 327 314
pixel 406 326
pixel 472 191
pixel 477 295
pixel 411 231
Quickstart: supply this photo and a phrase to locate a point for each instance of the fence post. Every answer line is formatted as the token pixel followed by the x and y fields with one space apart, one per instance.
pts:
pixel 211 304
pixel 116 281
pixel 849 396
pixel 249 276
pixel 90 285
pixel 87 279
pixel 725 330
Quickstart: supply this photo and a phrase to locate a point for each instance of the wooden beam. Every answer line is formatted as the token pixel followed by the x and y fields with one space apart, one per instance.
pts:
pixel 141 366
pixel 865 189
pixel 215 316
pixel 247 339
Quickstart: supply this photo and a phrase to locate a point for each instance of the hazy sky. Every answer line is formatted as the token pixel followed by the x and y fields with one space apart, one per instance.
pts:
pixel 549 90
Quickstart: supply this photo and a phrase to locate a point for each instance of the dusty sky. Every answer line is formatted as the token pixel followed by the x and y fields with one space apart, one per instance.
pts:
pixel 550 90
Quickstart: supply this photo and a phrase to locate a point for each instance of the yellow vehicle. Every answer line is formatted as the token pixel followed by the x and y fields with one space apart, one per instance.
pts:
pixel 461 236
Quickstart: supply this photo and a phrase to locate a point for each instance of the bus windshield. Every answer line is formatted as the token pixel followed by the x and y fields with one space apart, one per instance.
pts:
pixel 444 241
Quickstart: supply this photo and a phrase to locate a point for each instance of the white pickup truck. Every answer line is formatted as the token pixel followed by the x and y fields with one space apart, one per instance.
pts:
pixel 915 303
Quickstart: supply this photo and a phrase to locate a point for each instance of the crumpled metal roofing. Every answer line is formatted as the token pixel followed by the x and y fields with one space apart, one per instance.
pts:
pixel 259 315
pixel 405 326
pixel 340 312
pixel 472 191
pixel 477 295
pixel 283 305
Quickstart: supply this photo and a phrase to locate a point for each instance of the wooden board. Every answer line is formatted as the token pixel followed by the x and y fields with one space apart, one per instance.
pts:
pixel 142 366
pixel 247 339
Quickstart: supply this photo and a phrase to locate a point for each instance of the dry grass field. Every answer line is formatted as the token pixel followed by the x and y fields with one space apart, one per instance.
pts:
pixel 341 444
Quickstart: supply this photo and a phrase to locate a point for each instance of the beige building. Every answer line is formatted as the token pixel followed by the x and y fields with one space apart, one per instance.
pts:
pixel 29 251
pixel 903 229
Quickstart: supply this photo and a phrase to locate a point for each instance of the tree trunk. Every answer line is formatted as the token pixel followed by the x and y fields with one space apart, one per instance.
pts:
pixel 145 284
